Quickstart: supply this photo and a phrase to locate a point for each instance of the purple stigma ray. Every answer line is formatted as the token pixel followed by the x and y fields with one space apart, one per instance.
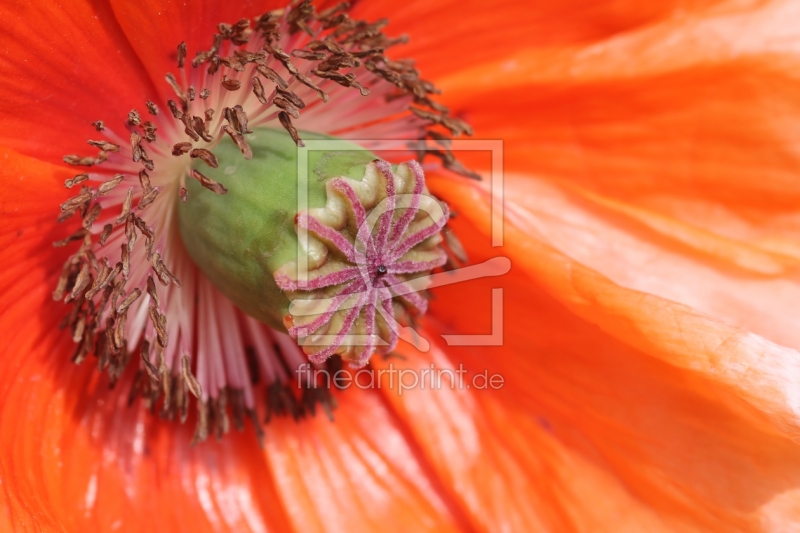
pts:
pixel 397 225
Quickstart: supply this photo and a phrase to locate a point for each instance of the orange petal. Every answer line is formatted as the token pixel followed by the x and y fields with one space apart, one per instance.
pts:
pixel 449 36
pixel 60 66
pixel 358 473
pixel 691 115
pixel 700 340
pixel 589 433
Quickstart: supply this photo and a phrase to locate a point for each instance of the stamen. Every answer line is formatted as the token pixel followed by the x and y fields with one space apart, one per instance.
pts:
pixel 134 118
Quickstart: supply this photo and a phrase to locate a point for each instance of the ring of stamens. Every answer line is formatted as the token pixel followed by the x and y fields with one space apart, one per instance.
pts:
pixel 118 284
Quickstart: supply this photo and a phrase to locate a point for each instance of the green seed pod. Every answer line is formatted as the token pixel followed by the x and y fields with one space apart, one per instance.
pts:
pixel 239 239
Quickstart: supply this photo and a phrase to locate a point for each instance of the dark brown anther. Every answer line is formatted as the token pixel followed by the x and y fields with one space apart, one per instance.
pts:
pixel 119 333
pixel 163 273
pixel 281 402
pixel 88 254
pixel 136 387
pixel 173 107
pixel 180 400
pixel 126 260
pixel 190 93
pixel 220 414
pixel 371 53
pixel 299 17
pixel 151 107
pixel 240 142
pixel 339 61
pixel 109 185
pixel 183 194
pixel 159 321
pixel 78 328
pixel 149 128
pixel 151 290
pixel 181 54
pixel 189 129
pixel 84 348
pixel 99 125
pixel 387 74
pixel 104 277
pixel 268 25
pixel 309 55
pixel 148 198
pixel 453 164
pixel 91 216
pixel 128 301
pixel 241 32
pixel 225 30
pixel 81 282
pixel 199 126
pixel 345 80
pixel 233 62
pixel 200 58
pixel 204 93
pixel 77 201
pixel 126 207
pixel 213 65
pixel 335 21
pixel 178 90
pixel 237 118
pixel 209 115
pixel 66 215
pixel 107 229
pixel 291 97
pixel 191 382
pixel 201 429
pixel 75 180
pixel 103 145
pixel 325 44
pixel 79 161
pixel 313 396
pixel 456 126
pixel 286 122
pixel 134 118
pixel 250 57
pixel 432 104
pixel 67 271
pixel 331 11
pixel 78 235
pixel 136 149
pixel 206 156
pixel 151 369
pixel 231 85
pixel 305 80
pixel 271 75
pixel 149 240
pixel 144 180
pixel 72 316
pixel 258 90
pixel 286 106
pixel 142 226
pixel 208 183
pixel 237 408
pixel 277 52
pixel 181 148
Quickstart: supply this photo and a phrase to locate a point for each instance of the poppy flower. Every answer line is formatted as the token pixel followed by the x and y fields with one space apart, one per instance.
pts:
pixel 648 363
